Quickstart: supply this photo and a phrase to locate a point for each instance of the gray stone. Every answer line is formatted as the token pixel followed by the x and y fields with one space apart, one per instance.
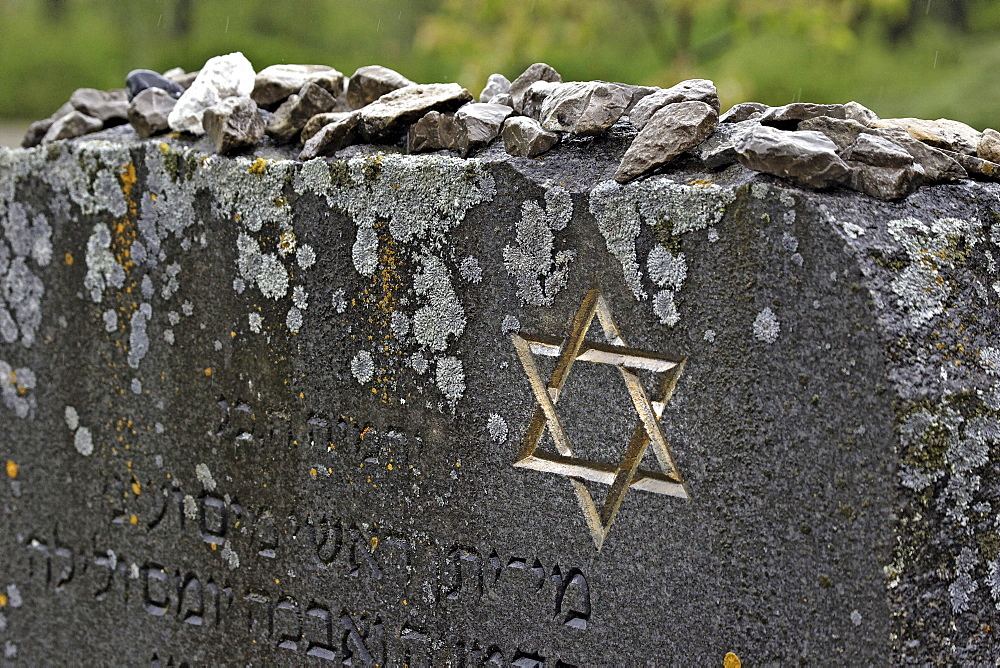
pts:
pixel 317 122
pixel 854 111
pixel 332 137
pixel 433 132
pixel 504 99
pixel 789 115
pixel 295 112
pixel 139 80
pixel 274 84
pixel 523 136
pixel 477 124
pixel 942 133
pixel 672 130
pixel 33 136
pixel 233 125
pixel 496 84
pixel 744 111
pixel 701 90
pixel 637 93
pixel 829 450
pixel 180 77
pixel 975 167
pixel 73 124
pixel 882 168
pixel 387 117
pixel 371 82
pixel 533 99
pixel 148 111
pixel 719 150
pixel 807 157
pixel 989 145
pixel 534 73
pixel 936 165
pixel 108 106
pixel 584 108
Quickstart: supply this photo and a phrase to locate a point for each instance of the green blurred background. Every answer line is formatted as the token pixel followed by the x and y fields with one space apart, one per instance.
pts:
pixel 924 58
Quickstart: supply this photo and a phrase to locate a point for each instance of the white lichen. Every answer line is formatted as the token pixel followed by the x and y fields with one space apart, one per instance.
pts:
pixel 450 378
pixel 441 315
pixel 72 418
pixel 533 261
pixel 204 475
pixel 83 441
pixel 766 327
pixel 497 428
pixel 665 309
pixel 363 367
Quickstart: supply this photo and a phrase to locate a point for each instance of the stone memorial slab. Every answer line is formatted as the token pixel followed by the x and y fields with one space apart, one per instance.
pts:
pixel 423 410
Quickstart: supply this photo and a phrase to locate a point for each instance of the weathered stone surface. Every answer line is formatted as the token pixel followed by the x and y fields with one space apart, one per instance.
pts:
pixel 744 111
pixel 788 116
pixel 332 137
pixel 836 424
pixel 701 90
pixel 231 75
pixel 673 129
pixel 942 133
pixel 533 99
pixel 477 124
pixel 806 157
pixel 504 99
pixel 989 145
pixel 316 123
pixel 180 77
pixel 855 111
pixel 523 136
pixel 433 132
pixel 496 84
pixel 719 149
pixel 371 82
pixel 108 106
pixel 874 150
pixel 274 84
pixel 295 112
pixel 140 80
pixel 148 111
pixel 584 108
pixel 637 93
pixel 73 124
pixel 35 132
pixel 534 73
pixel 388 117
pixel 233 125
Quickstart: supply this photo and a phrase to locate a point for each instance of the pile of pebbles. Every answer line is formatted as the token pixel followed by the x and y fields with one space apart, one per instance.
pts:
pixel 818 146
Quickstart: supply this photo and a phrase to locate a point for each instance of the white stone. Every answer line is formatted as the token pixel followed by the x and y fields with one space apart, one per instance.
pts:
pixel 222 77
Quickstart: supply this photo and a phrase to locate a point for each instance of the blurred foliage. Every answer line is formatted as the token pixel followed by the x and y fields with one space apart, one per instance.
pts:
pixel 925 58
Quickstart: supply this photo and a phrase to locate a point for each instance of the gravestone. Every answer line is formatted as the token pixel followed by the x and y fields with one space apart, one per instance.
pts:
pixel 417 410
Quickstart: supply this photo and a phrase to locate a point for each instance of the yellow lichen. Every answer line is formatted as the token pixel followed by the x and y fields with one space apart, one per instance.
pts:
pixel 258 167
pixel 12 469
pixel 731 661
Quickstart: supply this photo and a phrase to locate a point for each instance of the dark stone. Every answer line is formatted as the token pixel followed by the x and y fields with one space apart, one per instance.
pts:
pixel 371 82
pixel 73 124
pixel 534 73
pixel 496 84
pixel 827 467
pixel 108 106
pixel 672 130
pixel 719 149
pixel 975 167
pixel 387 118
pixel 33 136
pixel 744 111
pixel 295 112
pixel 584 108
pixel 332 137
pixel 276 83
pixel 140 80
pixel 787 117
pixel 477 124
pixel 881 168
pixel 148 111
pixel 701 90
pixel 433 132
pixel 808 158
pixel 317 122
pixel 233 125
pixel 523 136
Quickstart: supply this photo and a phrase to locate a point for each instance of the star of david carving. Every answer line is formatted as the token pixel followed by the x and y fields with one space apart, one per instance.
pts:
pixel 626 474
